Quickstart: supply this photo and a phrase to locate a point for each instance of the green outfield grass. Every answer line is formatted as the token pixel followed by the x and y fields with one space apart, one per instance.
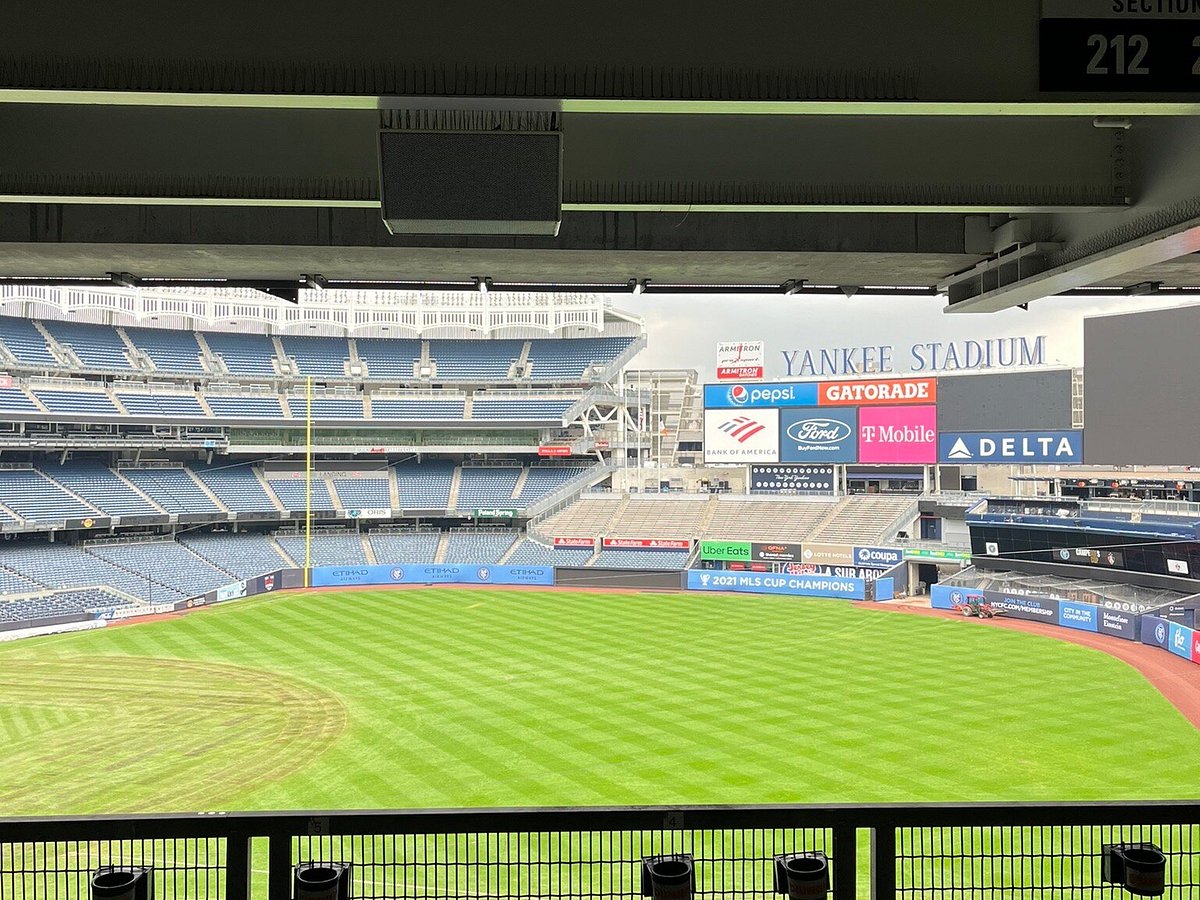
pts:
pixel 442 697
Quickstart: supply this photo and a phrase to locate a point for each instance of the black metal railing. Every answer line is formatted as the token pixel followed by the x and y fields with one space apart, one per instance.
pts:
pixel 950 851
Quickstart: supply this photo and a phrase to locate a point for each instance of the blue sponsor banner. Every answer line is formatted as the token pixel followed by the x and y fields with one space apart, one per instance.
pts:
pixel 942 596
pixel 739 396
pixel 1060 447
pixel 885 589
pixel 345 576
pixel 818 435
pixel 770 583
pixel 878 557
pixel 1179 640
pixel 1082 616
pixel 1155 631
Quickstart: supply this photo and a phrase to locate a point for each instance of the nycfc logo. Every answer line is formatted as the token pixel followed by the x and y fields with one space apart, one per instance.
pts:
pixel 1160 633
pixel 818 431
pixel 739 395
pixel 956 597
pixel 1064 554
pixel 484 573
pixel 397 574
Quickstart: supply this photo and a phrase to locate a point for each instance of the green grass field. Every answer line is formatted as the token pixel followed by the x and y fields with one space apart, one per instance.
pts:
pixel 444 698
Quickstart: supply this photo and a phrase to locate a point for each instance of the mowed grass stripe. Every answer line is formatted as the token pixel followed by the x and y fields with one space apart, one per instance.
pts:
pixel 486 698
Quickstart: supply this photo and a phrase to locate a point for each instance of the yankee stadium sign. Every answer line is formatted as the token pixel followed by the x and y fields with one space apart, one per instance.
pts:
pixel 930 356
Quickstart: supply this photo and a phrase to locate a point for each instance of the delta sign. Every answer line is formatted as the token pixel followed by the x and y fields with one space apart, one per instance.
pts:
pixel 1057 447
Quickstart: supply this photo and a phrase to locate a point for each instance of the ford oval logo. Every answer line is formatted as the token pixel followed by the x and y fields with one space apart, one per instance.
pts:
pixel 818 431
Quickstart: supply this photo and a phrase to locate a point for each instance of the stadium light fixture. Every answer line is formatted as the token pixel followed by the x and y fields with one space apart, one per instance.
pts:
pixel 792 286
pixel 483 285
pixel 122 883
pixel 314 282
pixel 1142 288
pixel 124 279
pixel 802 876
pixel 1139 868
pixel 321 881
pixel 671 877
pixel 637 285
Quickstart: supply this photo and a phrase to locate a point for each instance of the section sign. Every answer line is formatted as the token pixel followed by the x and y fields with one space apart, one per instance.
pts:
pixel 815 435
pixel 738 436
pixel 897 434
pixel 966 448
pixel 775 394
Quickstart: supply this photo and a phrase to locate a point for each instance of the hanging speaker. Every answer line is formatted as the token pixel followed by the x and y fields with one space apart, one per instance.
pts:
pixel 471 182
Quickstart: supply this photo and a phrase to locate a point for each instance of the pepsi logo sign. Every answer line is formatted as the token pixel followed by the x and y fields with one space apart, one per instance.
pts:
pixel 738 395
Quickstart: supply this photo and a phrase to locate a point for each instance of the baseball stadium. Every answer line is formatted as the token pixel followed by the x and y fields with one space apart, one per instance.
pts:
pixel 456 452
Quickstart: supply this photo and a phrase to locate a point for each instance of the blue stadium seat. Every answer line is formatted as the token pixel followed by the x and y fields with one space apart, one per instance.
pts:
pixel 418 410
pixel 26 343
pixel 236 485
pixel 363 489
pixel 532 553
pixel 172 488
pixel 326 408
pixel 543 480
pixel 642 559
pixel 170 349
pixel 405 546
pixel 99 486
pixel 568 359
pixel 317 355
pixel 14 399
pixel 84 402
pixel 241 555
pixel 424 486
pixel 487 486
pixel 289 488
pixel 34 497
pixel 389 358
pixel 474 360
pixel 242 353
pixel 97 346
pixel 478 546
pixel 328 548
pixel 165 406
pixel 514 408
pixel 245 407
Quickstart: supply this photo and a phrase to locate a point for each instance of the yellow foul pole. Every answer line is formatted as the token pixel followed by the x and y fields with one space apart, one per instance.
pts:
pixel 307 479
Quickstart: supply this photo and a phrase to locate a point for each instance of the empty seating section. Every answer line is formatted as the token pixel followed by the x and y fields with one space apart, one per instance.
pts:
pixel 96 346
pixel 474 360
pixel 515 408
pixel 586 517
pixel 444 410
pixel 237 486
pixel 388 358
pixel 12 583
pixel 87 402
pixel 102 488
pixel 167 563
pixel 424 486
pixel 361 489
pixel 567 360
pixel 33 496
pixel 261 407
pixel 768 520
pixel 16 400
pixel 487 486
pixel 532 553
pixel 317 355
pixel 63 566
pixel 172 488
pixel 641 559
pixel 326 408
pixel 405 546
pixel 863 518
pixel 243 354
pixel 290 490
pixel 165 406
pixel 26 343
pixel 328 548
pixel 66 603
pixel 169 349
pixel 241 555
pixel 656 518
pixel 482 546
pixel 543 480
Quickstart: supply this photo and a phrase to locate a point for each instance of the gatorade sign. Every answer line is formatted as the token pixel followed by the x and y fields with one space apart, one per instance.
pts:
pixel 902 391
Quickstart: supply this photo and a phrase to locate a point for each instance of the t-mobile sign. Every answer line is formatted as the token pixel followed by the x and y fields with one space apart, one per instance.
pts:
pixel 897 434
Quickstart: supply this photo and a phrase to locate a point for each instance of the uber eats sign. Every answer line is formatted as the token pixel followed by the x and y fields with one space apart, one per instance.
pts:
pixel 733 550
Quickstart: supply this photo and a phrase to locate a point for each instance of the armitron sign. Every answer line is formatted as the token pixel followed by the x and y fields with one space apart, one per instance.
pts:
pixel 739 360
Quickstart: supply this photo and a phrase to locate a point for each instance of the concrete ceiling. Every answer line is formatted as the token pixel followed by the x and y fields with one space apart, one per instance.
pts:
pixel 893 143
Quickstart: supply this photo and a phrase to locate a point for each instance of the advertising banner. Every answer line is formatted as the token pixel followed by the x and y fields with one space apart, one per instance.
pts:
pixel 741 437
pixel 908 391
pixel 813 435
pixel 491 512
pixel 768 583
pixel 1081 616
pixel 1089 556
pixel 740 360
pixel 737 396
pixel 897 434
pixel 575 542
pixel 1177 566
pixel 554 451
pixel 878 557
pixel 775 552
pixel 791 480
pixel 88 522
pixel 1117 623
pixel 233 591
pixel 803 568
pixel 645 543
pixel 1035 609
pixel 1060 447
pixel 732 550
pixel 1154 631
pixel 922 553
pixel 830 554
pixel 344 576
pixel 1196 646
pixel 370 512
pixel 1179 640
